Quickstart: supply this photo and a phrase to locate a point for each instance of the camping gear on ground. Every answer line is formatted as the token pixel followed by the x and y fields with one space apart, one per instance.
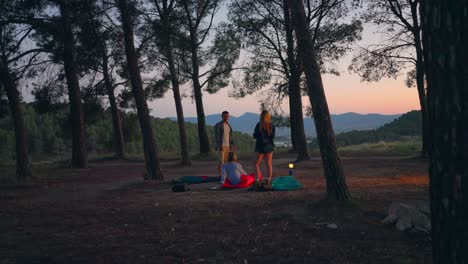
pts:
pixel 245 181
pixel 197 179
pixel 180 187
pixel 259 187
pixel 286 183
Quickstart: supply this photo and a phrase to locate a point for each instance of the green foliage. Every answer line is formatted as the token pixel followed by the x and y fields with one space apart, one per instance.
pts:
pixel 263 30
pixel 44 132
pixel 405 127
pixel 49 135
pixel 334 41
pixel 7 143
pixel 226 51
pixel 408 124
pixel 403 147
pixel 168 141
pixel 219 56
pixel 399 22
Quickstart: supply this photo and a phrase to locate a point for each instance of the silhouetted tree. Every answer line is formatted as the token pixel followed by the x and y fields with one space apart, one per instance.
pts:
pixel 54 31
pixel 402 48
pixel 198 22
pixel 97 48
pixel 445 42
pixel 166 26
pixel 151 156
pixel 68 55
pixel 272 51
pixel 15 62
pixel 337 188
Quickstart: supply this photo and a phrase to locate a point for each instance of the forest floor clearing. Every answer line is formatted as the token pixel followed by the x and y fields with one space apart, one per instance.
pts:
pixel 107 213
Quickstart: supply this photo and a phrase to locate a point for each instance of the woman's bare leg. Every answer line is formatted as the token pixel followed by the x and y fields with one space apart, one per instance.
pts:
pixel 257 166
pixel 268 162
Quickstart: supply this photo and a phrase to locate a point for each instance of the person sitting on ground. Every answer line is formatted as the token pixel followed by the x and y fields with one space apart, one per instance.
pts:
pixel 232 170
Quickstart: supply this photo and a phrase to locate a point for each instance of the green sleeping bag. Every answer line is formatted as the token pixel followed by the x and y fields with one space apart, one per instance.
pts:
pixel 286 183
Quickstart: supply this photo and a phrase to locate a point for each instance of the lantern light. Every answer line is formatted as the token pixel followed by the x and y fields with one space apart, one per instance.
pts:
pixel 291 168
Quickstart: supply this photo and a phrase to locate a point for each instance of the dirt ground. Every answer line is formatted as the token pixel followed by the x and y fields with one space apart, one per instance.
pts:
pixel 108 214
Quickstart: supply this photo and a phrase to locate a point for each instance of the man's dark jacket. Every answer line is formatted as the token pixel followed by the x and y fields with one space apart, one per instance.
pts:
pixel 219 134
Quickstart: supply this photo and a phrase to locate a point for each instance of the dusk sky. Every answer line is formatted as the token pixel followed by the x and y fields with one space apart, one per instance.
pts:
pixel 345 93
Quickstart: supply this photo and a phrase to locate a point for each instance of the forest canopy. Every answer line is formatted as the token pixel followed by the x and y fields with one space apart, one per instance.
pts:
pixel 49 134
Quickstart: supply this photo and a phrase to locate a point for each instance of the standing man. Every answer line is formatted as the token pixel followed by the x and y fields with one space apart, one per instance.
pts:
pixel 224 141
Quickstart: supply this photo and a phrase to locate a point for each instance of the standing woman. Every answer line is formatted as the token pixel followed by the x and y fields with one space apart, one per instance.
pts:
pixel 264 145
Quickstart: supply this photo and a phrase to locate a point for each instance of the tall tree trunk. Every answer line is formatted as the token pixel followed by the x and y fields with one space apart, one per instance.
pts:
pixel 76 110
pixel 116 118
pixel 292 121
pixel 422 99
pixel 23 167
pixel 151 156
pixel 420 77
pixel 445 41
pixel 337 188
pixel 295 102
pixel 177 98
pixel 197 92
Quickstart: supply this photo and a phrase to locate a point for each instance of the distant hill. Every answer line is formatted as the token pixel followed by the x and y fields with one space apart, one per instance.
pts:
pixel 244 123
pixel 406 126
pixel 341 123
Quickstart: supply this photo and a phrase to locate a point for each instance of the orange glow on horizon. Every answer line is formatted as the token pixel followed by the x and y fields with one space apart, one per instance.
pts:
pixel 385 97
pixel 345 93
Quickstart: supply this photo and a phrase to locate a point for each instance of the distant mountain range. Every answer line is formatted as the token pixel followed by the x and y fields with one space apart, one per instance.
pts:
pixel 341 123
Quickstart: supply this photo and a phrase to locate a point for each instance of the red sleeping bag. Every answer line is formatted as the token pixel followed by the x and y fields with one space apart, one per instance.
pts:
pixel 245 181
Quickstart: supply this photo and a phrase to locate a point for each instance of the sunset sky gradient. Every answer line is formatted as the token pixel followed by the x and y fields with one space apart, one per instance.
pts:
pixel 345 93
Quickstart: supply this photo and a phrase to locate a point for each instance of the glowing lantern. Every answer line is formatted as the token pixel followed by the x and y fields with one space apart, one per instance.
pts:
pixel 291 168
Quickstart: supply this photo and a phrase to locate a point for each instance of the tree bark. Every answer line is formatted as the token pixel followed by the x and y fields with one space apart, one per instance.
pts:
pixel 180 115
pixel 422 98
pixel 185 157
pixel 116 118
pixel 197 92
pixel 151 156
pixel 23 166
pixel 76 110
pixel 337 188
pixel 420 77
pixel 295 103
pixel 445 41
